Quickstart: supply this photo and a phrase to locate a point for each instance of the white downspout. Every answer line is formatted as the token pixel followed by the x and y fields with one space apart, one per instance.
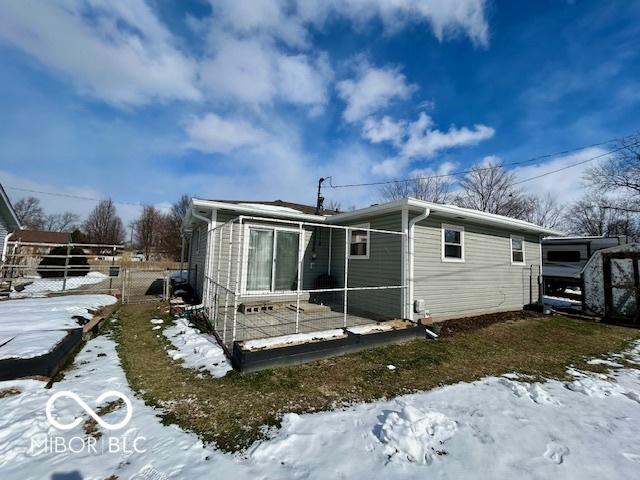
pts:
pixel 412 224
pixel 4 247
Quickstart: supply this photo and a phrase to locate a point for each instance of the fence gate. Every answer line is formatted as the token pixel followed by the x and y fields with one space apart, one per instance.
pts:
pixel 621 272
pixel 141 285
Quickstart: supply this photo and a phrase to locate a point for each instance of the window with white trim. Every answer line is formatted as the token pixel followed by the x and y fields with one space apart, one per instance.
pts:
pixel 359 241
pixel 452 243
pixel 517 250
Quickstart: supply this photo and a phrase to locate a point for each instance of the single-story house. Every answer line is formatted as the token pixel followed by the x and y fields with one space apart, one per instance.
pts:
pixel 274 268
pixel 8 220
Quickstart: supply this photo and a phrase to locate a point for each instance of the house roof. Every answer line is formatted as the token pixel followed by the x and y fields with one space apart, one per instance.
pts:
pixel 446 211
pixel 7 209
pixel 40 236
pixel 299 207
pixel 281 209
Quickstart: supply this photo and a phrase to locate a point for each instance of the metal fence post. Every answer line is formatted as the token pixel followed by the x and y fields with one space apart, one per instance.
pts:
pixel 346 272
pixel 300 258
pixel 66 267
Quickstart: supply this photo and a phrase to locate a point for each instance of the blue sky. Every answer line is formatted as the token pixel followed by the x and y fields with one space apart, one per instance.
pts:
pixel 142 101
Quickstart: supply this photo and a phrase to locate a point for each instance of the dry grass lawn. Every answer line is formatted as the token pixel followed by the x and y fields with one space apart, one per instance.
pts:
pixel 232 411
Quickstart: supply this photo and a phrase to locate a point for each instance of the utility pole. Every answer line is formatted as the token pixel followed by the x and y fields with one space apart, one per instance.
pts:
pixel 320 200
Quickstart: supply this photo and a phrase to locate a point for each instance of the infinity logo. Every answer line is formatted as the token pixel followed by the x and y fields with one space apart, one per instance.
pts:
pixel 88 409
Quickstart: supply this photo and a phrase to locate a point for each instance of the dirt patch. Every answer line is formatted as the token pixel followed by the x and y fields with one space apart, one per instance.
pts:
pixel 9 392
pixel 449 328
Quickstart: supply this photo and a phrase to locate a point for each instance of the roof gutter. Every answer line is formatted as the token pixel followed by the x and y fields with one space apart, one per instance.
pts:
pixel 412 246
pixel 247 210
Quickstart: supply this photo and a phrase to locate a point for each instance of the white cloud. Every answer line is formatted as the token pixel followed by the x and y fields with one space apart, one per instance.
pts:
pixel 213 134
pixel 116 51
pixel 373 89
pixel 383 130
pixel 566 185
pixel 425 141
pixel 257 73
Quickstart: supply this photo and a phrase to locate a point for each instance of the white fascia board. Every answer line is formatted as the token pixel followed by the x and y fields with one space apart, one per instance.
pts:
pixel 248 210
pixel 12 212
pixel 447 211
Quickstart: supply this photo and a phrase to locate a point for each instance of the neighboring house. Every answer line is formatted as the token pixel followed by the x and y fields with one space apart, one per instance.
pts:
pixel 32 244
pixel 8 220
pixel 399 260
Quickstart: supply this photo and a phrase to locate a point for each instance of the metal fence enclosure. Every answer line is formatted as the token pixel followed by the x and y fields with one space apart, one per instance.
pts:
pixel 40 269
pixel 269 277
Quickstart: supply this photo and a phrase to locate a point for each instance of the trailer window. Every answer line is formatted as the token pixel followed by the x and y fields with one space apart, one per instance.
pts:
pixel 452 243
pixel 563 255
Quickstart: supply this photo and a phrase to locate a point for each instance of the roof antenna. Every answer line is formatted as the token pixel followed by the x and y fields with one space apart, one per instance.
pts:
pixel 320 200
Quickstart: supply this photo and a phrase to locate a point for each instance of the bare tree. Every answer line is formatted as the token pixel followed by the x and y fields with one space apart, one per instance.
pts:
pixel 544 211
pixel 147 229
pixel 61 222
pixel 491 189
pixel 593 216
pixel 621 173
pixel 103 225
pixel 29 212
pixel 180 207
pixel 171 234
pixel 334 205
pixel 432 189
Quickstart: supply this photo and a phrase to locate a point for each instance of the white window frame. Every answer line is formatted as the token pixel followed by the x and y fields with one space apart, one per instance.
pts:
pixel 457 228
pixel 245 254
pixel 511 239
pixel 362 226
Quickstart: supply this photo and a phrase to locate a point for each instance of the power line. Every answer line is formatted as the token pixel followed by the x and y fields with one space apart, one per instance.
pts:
pixel 78 197
pixel 520 162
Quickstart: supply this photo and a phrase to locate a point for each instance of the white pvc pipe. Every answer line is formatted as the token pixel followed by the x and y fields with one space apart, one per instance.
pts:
pixel 5 246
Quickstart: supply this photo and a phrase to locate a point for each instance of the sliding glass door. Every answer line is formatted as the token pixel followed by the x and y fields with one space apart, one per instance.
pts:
pixel 272 260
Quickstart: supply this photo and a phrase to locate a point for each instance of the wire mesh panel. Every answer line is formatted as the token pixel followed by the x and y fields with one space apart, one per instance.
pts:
pixel 40 269
pixel 142 285
pixel 268 278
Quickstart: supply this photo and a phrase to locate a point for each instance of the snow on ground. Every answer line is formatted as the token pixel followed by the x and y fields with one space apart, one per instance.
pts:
pixel 293 339
pixel 32 327
pixel 497 428
pixel 47 285
pixel 370 328
pixel 196 349
pixel 561 302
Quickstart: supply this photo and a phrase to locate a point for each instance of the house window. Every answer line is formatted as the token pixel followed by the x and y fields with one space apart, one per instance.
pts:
pixel 517 250
pixel 452 243
pixel 272 260
pixel 359 241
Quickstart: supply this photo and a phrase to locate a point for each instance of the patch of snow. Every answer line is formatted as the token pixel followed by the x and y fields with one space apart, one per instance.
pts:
pixel 31 344
pixel 41 286
pixel 196 349
pixel 533 391
pixel 415 435
pixel 391 367
pixel 561 302
pixel 294 339
pixel 608 363
pixel 32 327
pixel 365 329
pixel 157 321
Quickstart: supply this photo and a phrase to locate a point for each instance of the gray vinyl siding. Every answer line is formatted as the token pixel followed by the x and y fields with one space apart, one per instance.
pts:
pixel 382 268
pixel 486 281
pixel 198 255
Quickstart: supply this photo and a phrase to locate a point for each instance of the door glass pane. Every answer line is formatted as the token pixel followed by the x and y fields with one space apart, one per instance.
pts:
pixel 260 259
pixel 286 277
